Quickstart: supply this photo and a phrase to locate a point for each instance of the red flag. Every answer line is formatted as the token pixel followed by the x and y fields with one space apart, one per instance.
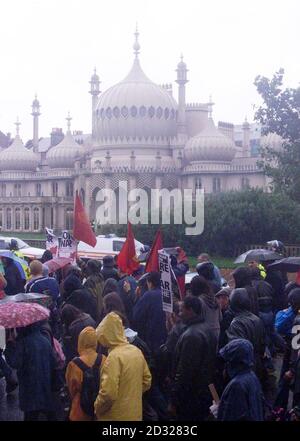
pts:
pixel 127 260
pixel 152 261
pixel 82 229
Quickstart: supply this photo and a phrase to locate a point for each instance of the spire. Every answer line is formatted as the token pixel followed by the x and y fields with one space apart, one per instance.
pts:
pixel 17 124
pixel 181 71
pixel 136 45
pixel 69 119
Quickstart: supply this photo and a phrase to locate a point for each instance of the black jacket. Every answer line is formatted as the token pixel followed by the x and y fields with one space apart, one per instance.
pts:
pixel 195 357
pixel 276 280
pixel 264 295
pixel 15 284
pixel 250 327
pixel 70 339
pixel 242 278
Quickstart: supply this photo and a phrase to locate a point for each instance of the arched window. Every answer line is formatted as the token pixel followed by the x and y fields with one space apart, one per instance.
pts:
pixel 69 218
pixel 8 219
pixel 17 190
pixel 198 184
pixel 54 189
pixel 18 219
pixel 36 219
pixel 26 218
pixel 1 218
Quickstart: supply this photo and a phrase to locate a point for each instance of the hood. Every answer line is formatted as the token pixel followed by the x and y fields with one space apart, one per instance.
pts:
pixel 108 262
pixel 71 284
pixel 238 356
pixel 206 269
pixel 130 335
pixel 242 277
pixel 87 340
pixel 110 285
pixel 110 332
pixel 294 298
pixel 239 300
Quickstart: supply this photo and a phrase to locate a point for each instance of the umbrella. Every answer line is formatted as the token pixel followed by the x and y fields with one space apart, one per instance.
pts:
pixel 18 262
pixel 57 262
pixel 19 314
pixel 41 299
pixel 289 264
pixel 260 255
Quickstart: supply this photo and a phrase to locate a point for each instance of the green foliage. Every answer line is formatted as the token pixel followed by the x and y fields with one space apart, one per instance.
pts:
pixel 232 221
pixel 280 113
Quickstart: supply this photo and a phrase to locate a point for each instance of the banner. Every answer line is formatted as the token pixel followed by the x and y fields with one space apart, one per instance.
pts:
pixel 67 246
pixel 165 280
pixel 51 242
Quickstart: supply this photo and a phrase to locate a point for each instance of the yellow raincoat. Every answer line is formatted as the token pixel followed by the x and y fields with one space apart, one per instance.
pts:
pixel 125 375
pixel 87 344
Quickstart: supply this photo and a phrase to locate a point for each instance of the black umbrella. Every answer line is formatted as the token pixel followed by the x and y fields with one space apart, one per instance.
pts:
pixel 289 264
pixel 260 255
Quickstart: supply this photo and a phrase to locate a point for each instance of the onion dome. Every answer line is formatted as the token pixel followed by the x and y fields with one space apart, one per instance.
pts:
pixel 136 107
pixel 210 145
pixel 17 156
pixel 64 154
pixel 272 141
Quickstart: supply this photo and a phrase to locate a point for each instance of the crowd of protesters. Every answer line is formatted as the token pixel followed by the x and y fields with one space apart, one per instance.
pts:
pixel 150 365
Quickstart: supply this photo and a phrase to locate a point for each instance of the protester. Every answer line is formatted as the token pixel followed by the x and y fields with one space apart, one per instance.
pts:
pixel 14 282
pixel 32 356
pixel 126 289
pixel 75 294
pixel 108 270
pixel 278 282
pixel 149 319
pixel 222 298
pixel 110 285
pixel 38 283
pixel 87 350
pixel 242 399
pixel 212 315
pixel 125 375
pixel 247 325
pixel 204 257
pixel 7 372
pixel 206 270
pixel 242 279
pixel 74 322
pixel 95 283
pixel 195 356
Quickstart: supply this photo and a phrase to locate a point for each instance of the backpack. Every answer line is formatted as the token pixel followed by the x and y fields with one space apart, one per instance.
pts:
pixel 90 384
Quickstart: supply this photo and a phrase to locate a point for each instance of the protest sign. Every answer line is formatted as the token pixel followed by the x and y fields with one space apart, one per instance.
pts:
pixel 165 280
pixel 67 246
pixel 51 242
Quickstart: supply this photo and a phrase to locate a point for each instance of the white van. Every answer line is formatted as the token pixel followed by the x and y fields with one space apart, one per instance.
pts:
pixel 108 245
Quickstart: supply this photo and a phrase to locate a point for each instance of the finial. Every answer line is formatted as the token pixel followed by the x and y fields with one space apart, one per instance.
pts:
pixel 17 124
pixel 69 119
pixel 181 57
pixel 136 45
pixel 95 71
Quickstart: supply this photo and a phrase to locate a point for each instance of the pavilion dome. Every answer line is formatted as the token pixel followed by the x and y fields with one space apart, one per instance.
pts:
pixel 18 157
pixel 210 145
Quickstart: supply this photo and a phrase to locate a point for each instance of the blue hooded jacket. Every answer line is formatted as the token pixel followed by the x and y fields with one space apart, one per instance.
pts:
pixel 242 398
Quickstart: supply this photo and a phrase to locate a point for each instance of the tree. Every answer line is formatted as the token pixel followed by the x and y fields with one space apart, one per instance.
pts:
pixel 280 113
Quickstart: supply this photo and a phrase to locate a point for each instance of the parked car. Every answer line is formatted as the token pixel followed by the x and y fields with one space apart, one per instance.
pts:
pixel 27 250
pixel 190 275
pixel 106 245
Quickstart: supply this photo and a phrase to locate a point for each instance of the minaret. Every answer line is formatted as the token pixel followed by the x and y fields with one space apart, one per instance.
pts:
pixel 94 91
pixel 35 113
pixel 181 80
pixel 246 139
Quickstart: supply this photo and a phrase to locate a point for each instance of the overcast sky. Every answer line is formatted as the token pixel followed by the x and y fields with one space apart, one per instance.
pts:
pixel 50 47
